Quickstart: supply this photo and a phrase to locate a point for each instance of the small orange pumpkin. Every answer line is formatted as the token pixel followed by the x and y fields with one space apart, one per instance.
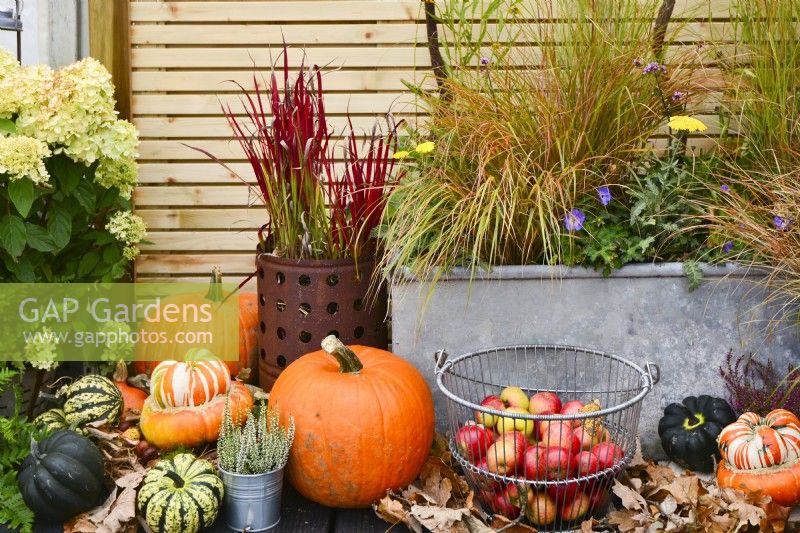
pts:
pixel 172 427
pixel 247 316
pixel 132 398
pixel 762 454
pixel 363 423
pixel 197 380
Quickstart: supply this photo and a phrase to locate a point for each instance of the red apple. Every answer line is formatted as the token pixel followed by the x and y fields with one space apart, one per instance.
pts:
pixel 490 402
pixel 564 491
pixel 502 505
pixel 559 463
pixel 485 483
pixel 590 439
pixel 570 408
pixel 514 397
pixel 598 500
pixel 586 463
pixel 518 494
pixel 562 437
pixel 541 509
pixel 548 426
pixel 473 440
pixel 576 509
pixel 535 462
pixel 544 403
pixel 506 454
pixel 608 454
pixel 512 423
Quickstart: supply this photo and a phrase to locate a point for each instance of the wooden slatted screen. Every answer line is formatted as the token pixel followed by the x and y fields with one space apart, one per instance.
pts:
pixel 183 56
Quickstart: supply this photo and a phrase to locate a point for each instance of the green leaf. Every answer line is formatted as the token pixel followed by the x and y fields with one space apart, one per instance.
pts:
pixel 7 125
pixel 13 235
pixel 21 193
pixel 59 226
pixel 85 194
pixel 88 262
pixel 67 172
pixel 39 238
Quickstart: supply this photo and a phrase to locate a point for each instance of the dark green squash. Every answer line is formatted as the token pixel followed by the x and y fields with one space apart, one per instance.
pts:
pixel 62 477
pixel 689 431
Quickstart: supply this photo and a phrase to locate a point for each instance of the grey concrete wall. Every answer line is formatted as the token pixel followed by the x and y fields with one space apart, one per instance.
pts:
pixel 642 312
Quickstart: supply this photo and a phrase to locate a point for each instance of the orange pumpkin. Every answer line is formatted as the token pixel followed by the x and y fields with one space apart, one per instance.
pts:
pixel 195 381
pixel 363 423
pixel 247 319
pixel 762 454
pixel 132 398
pixel 172 427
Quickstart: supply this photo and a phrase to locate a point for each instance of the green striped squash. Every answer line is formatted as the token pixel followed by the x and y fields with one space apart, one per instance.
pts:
pixel 180 495
pixel 91 399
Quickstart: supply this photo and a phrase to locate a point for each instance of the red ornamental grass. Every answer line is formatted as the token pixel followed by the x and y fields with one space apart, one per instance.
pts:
pixel 313 212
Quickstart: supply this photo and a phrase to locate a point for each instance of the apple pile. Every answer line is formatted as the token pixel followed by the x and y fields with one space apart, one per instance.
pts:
pixel 555 450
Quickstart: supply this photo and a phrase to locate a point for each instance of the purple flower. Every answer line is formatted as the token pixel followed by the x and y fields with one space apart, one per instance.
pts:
pixel 637 62
pixel 654 68
pixel 724 188
pixel 677 96
pixel 727 247
pixel 604 194
pixel 782 224
pixel 573 220
pixel 485 61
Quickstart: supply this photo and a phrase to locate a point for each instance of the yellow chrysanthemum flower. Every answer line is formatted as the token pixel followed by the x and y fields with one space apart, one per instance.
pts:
pixel 684 123
pixel 425 148
pixel 402 154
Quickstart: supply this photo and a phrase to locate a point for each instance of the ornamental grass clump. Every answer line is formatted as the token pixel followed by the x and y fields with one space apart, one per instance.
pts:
pixel 258 446
pixel 522 131
pixel 764 92
pixel 67 171
pixel 314 209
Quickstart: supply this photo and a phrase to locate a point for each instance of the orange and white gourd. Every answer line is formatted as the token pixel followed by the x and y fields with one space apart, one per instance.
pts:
pixel 189 383
pixel 187 401
pixel 762 454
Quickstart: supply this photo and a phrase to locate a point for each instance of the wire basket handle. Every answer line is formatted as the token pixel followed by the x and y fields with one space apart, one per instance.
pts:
pixel 441 362
pixel 653 373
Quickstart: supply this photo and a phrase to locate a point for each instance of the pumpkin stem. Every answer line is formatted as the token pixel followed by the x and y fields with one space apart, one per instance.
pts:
pixel 695 420
pixel 215 290
pixel 178 480
pixel 349 363
pixel 121 372
pixel 35 449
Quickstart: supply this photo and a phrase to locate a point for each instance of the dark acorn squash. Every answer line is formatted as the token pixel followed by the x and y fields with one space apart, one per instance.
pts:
pixel 689 431
pixel 62 477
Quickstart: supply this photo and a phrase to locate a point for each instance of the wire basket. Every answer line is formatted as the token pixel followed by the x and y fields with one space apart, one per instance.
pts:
pixel 553 470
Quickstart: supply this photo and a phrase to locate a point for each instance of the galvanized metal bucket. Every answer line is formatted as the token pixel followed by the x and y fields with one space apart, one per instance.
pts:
pixel 252 502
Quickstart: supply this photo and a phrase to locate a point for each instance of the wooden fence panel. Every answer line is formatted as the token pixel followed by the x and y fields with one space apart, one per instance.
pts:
pixel 185 60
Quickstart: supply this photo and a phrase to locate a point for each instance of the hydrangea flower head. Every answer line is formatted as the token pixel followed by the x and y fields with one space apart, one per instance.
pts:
pixel 604 194
pixel 127 227
pixel 573 221
pixel 120 173
pixel 23 157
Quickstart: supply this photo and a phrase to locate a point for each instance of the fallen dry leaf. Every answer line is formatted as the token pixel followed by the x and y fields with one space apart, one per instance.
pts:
pixel 393 511
pixel 441 519
pixel 508 526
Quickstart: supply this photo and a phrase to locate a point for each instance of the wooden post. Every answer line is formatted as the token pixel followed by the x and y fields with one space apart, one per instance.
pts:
pixel 110 43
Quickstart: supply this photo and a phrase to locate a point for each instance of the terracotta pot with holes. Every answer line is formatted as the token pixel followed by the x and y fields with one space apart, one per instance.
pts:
pixel 300 302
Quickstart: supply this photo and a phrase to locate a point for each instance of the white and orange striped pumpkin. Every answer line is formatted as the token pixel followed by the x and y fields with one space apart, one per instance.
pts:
pixel 754 442
pixel 198 379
